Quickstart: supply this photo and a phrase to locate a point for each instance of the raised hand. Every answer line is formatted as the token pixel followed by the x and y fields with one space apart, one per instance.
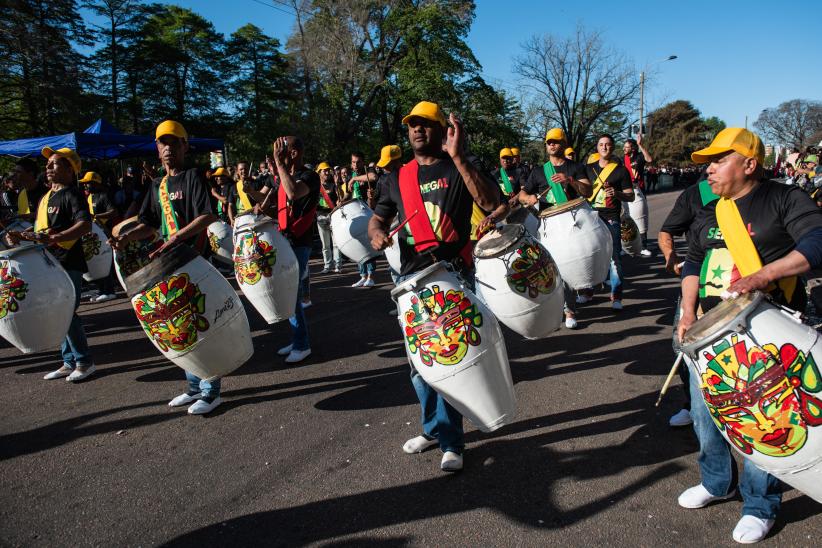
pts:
pixel 455 137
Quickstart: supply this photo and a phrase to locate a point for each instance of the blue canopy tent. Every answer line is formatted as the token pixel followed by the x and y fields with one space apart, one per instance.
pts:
pixel 100 141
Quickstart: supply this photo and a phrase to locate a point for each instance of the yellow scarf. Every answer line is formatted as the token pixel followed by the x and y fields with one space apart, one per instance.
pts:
pixel 741 246
pixel 23 207
pixel 91 205
pixel 168 226
pixel 41 222
pixel 244 200
pixel 601 178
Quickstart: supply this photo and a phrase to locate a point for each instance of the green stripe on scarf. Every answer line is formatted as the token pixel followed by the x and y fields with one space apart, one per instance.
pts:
pixel 557 194
pixel 506 182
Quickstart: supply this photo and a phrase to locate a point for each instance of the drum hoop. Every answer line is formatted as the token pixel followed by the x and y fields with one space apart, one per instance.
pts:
pixel 691 347
pixel 407 285
pixel 256 224
pixel 124 224
pixel 9 253
pixel 520 232
pixel 159 269
pixel 345 203
pixel 562 208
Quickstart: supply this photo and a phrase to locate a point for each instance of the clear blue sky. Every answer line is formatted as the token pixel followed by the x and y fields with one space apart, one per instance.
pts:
pixel 735 58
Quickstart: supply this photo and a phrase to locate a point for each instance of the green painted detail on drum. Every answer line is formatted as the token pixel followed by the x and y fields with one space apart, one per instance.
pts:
pixel 254 258
pixel 91 245
pixel 171 313
pixel 441 326
pixel 762 398
pixel 531 271
pixel 12 290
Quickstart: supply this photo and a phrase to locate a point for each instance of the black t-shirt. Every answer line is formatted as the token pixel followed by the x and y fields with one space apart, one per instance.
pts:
pixel 188 193
pixel 776 215
pixel 67 207
pixel 229 193
pixel 537 183
pixel 638 167
pixel 514 176
pixel 303 206
pixel 448 204
pixel 102 204
pixel 609 208
pixel 687 205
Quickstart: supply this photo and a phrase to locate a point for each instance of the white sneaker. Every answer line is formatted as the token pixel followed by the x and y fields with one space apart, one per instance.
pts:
pixel 699 497
pixel 368 283
pixel 337 270
pixel 751 529
pixel 570 322
pixel 297 356
pixel 307 304
pixel 286 350
pixel 105 297
pixel 582 299
pixel 359 283
pixel 645 253
pixel 201 407
pixel 451 462
pixel 64 371
pixel 81 372
pixel 325 270
pixel 418 444
pixel 184 399
pixel 682 418
pixel 616 305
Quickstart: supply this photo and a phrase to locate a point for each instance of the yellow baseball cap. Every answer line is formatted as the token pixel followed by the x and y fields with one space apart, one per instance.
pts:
pixel 322 166
pixel 738 139
pixel 555 134
pixel 515 151
pixel 569 151
pixel 427 110
pixel 68 154
pixel 92 177
pixel 170 127
pixel 505 152
pixel 388 154
pixel 219 172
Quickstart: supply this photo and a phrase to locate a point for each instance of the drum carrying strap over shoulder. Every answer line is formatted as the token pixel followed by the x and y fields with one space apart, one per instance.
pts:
pixel 329 203
pixel 557 194
pixel 297 226
pixel 600 182
pixel 41 222
pixel 245 202
pixel 507 187
pixel 741 246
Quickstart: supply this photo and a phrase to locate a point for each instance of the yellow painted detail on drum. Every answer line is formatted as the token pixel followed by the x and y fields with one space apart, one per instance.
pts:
pixel 171 313
pixel 12 290
pixel 254 258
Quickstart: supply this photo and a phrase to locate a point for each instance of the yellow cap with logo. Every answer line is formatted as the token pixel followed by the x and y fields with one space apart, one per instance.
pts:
pixel 92 177
pixel 388 154
pixel 427 110
pixel 67 153
pixel 170 127
pixel 738 139
pixel 555 134
pixel 220 172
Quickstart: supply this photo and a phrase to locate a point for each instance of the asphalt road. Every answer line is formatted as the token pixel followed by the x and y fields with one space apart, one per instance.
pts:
pixel 312 454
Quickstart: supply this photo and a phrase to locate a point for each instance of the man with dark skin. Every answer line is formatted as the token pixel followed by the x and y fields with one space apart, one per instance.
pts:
pixel 441 156
pixel 29 189
pixel 102 212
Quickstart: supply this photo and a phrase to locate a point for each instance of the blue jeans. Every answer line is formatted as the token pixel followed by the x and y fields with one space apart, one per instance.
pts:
pixel 761 492
pixel 209 389
pixel 299 326
pixel 616 260
pixel 439 419
pixel 75 349
pixel 367 267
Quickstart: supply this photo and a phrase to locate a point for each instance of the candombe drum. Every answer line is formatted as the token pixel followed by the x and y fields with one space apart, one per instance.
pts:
pixel 97 252
pixel 219 238
pixel 522 215
pixel 191 313
pixel 349 230
pixel 265 266
pixel 629 234
pixel 638 210
pixel 456 345
pixel 36 299
pixel 136 253
pixel 17 225
pixel 758 373
pixel 392 252
pixel 579 242
pixel 519 281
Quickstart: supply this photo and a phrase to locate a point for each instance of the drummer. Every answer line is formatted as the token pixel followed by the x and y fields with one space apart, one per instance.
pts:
pixel 178 206
pixel 102 212
pixel 559 181
pixel 441 194
pixel 635 158
pixel 507 175
pixel 570 154
pixel 224 194
pixel 328 201
pixel 759 235
pixel 611 187
pixel 62 220
pixel 29 186
pixel 248 191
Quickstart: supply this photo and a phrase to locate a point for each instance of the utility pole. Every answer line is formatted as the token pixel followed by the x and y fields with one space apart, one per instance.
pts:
pixel 642 92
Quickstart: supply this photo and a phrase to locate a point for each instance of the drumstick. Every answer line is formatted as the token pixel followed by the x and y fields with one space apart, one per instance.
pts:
pixel 402 224
pixel 670 377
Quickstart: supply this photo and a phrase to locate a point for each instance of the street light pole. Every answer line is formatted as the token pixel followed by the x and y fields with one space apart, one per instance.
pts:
pixel 642 92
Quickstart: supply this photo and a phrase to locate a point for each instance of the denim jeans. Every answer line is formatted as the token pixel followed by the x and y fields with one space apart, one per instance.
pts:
pixel 209 389
pixel 439 419
pixel 570 304
pixel 299 326
pixel 75 349
pixel 331 253
pixel 616 260
pixel 367 267
pixel 761 492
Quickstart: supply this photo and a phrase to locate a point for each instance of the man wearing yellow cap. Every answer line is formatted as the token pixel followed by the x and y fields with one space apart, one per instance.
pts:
pixel 328 201
pixel 177 205
pixel 435 194
pixel 759 235
pixel 570 154
pixel 224 194
pixel 247 190
pixel 508 174
pixel 29 188
pixel 102 212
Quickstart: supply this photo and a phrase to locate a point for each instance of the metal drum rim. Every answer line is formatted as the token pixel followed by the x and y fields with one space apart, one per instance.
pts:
pixel 159 268
pixel 692 345
pixel 345 203
pixel 520 232
pixel 402 286
pixel 9 253
pixel 562 208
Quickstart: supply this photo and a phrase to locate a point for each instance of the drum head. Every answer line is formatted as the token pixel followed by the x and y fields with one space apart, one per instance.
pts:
pixel 124 226
pixel 341 205
pixel 561 208
pixel 723 317
pixel 498 241
pixel 161 267
pixel 9 253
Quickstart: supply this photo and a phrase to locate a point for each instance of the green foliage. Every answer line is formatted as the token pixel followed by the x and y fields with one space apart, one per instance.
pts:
pixel 676 130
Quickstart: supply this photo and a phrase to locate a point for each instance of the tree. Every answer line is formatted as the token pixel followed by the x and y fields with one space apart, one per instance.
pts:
pixel 578 83
pixel 792 123
pixel 677 129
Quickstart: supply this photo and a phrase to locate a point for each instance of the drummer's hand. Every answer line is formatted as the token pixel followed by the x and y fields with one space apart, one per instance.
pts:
pixel 280 148
pixel 485 225
pixel 609 192
pixel 685 322
pixel 380 241
pixel 455 141
pixel 12 238
pixel 672 264
pixel 370 194
pixel 560 178
pixel 118 242
pixel 513 200
pixel 757 280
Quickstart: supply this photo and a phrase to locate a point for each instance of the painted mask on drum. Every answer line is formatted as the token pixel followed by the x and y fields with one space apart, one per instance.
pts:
pixel 171 313
pixel 253 259
pixel 134 257
pixel 12 290
pixel 761 397
pixel 214 242
pixel 532 272
pixel 628 230
pixel 91 245
pixel 441 326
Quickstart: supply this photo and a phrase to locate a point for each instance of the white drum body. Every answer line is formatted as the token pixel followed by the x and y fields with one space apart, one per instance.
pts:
pixel 191 313
pixel 349 229
pixel 17 225
pixel 37 299
pixel 523 216
pixel 638 210
pixel 219 239
pixel 456 345
pixel 392 253
pixel 266 267
pixel 629 235
pixel 519 281
pixel 758 369
pixel 97 253
pixel 579 242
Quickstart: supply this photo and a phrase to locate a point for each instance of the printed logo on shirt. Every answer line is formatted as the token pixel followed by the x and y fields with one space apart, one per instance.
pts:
pixel 176 195
pixel 715 234
pixel 431 186
pixel 53 210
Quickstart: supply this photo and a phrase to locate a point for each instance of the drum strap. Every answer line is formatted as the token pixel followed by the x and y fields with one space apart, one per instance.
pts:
pixel 507 187
pixel 741 246
pixel 329 203
pixel 41 222
pixel 419 225
pixel 557 194
pixel 168 224
pixel 245 202
pixel 285 215
pixel 90 200
pixel 602 176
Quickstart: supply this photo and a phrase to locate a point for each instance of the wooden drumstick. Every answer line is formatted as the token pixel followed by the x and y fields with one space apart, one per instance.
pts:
pixel 402 224
pixel 670 377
